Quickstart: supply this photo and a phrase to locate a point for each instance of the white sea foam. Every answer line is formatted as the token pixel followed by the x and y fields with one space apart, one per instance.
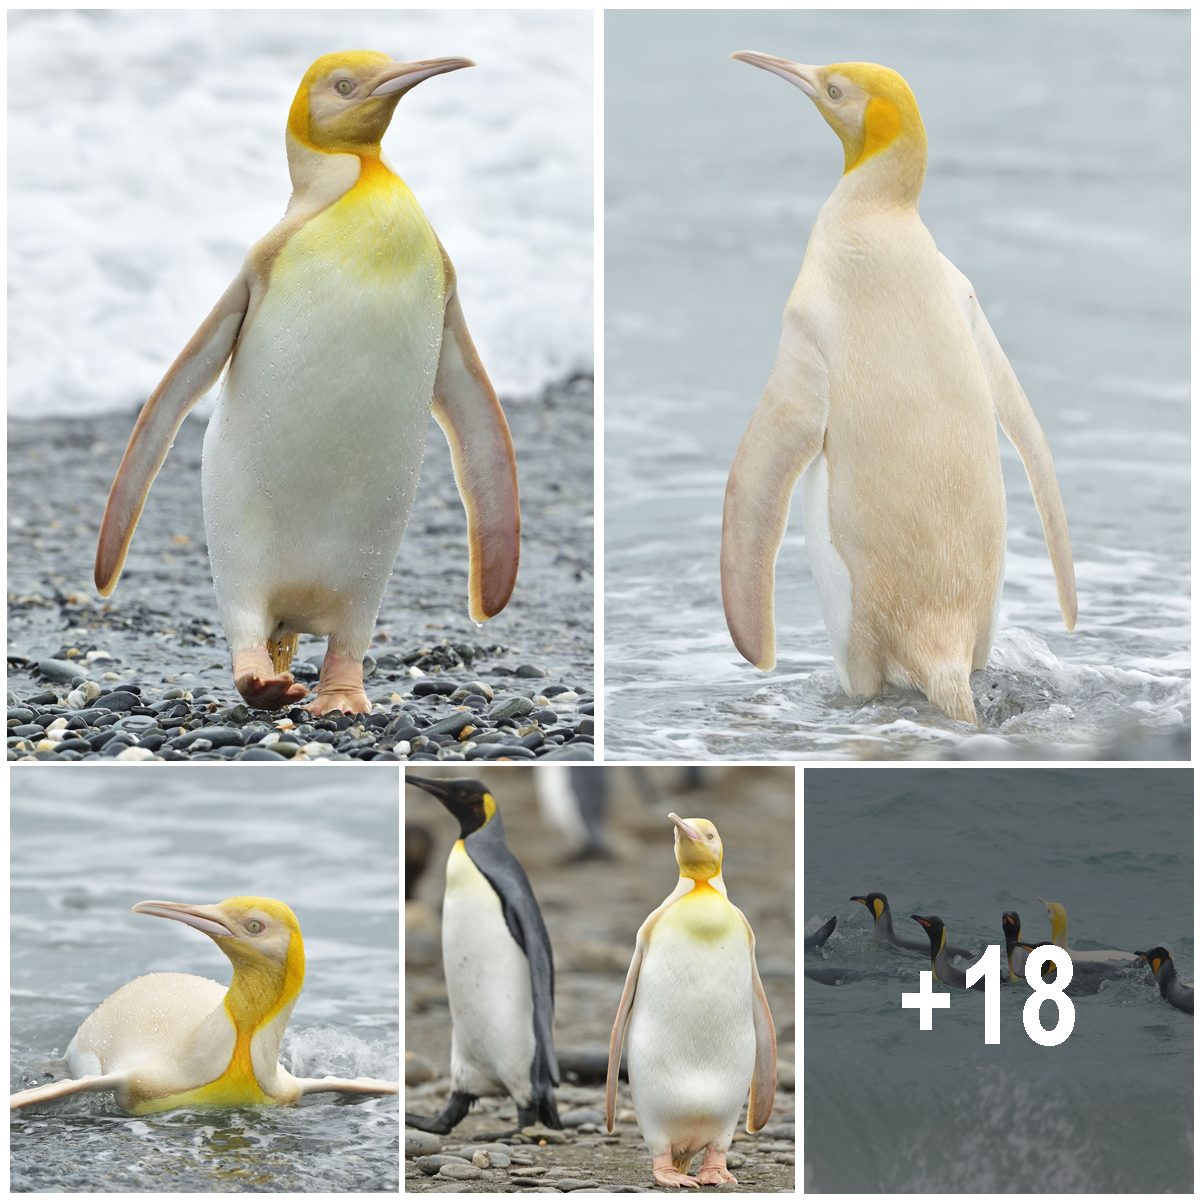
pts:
pixel 146 154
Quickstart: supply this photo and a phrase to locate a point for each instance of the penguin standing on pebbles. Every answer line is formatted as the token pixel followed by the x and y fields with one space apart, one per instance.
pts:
pixel 694 1021
pixel 499 969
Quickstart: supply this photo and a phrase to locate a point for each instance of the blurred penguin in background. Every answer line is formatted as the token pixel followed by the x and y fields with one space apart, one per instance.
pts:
pixel 574 800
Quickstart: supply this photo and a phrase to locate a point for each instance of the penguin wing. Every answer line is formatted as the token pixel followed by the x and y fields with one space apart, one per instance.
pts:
pixel 784 435
pixel 1022 429
pixel 762 1082
pixel 191 375
pixel 66 1087
pixel 499 866
pixel 617 1042
pixel 485 469
pixel 819 936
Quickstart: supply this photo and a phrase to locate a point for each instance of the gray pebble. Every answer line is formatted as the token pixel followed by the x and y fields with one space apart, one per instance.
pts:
pixel 509 706
pixel 459 1170
pixel 431 1164
pixel 136 724
pixel 59 671
pixel 583 752
pixel 529 671
pixel 583 1116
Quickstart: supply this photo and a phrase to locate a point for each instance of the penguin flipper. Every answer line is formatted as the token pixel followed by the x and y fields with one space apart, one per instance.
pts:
pixel 762 1082
pixel 784 435
pixel 1021 427
pixel 485 469
pixel 191 375
pixel 65 1087
pixel 617 1041
pixel 354 1087
pixel 818 937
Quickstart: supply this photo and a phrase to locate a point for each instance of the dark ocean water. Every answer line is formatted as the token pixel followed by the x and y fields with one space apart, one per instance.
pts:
pixel 889 1107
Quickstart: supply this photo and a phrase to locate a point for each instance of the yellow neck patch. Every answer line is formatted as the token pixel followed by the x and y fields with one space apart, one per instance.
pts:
pixel 878 906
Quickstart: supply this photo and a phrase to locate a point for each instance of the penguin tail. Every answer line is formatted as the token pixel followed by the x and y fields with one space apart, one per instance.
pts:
pixel 282 651
pixel 949 687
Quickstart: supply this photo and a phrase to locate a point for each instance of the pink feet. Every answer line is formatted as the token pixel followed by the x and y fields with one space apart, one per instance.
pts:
pixel 665 1174
pixel 341 687
pixel 712 1169
pixel 260 685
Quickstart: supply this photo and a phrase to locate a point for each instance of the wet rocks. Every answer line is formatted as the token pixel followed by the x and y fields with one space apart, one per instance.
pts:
pixel 451 714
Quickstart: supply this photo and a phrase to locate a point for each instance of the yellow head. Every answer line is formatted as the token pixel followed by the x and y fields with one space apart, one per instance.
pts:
pixel 870 108
pixel 345 101
pixel 260 937
pixel 697 848
pixel 1058 922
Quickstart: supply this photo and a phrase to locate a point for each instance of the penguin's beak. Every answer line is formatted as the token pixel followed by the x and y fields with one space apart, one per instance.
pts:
pixel 798 74
pixel 204 917
pixel 860 899
pixel 432 786
pixel 685 828
pixel 399 77
pixel 921 920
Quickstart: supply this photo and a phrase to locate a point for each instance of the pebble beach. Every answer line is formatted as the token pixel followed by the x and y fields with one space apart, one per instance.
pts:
pixel 145 675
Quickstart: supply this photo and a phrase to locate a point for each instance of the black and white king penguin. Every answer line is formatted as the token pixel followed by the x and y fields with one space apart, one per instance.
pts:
pixel 499 969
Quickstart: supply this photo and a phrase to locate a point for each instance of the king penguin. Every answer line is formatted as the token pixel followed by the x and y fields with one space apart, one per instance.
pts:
pixel 174 1041
pixel 885 935
pixel 1170 986
pixel 342 330
pixel 884 396
pixel 499 969
pixel 694 1021
pixel 943 970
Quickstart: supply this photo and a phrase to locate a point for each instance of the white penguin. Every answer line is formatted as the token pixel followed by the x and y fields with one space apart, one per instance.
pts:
pixel 344 328
pixel 884 396
pixel 180 1041
pixel 694 1021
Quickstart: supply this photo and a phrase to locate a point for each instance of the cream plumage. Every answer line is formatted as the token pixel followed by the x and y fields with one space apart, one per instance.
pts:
pixel 694 1021
pixel 172 1041
pixel 342 330
pixel 884 396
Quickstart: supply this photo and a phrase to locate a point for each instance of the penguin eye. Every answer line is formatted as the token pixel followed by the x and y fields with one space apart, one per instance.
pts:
pixel 345 87
pixel 254 926
pixel 835 92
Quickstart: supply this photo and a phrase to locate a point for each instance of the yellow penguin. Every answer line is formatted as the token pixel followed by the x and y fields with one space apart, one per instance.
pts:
pixel 1058 937
pixel 173 1041
pixel 884 396
pixel 342 329
pixel 694 1021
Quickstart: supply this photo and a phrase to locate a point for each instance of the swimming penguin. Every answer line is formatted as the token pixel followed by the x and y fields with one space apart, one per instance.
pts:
pixel 818 938
pixel 1172 988
pixel 885 935
pixel 499 969
pixel 943 970
pixel 342 328
pixel 884 397
pixel 1087 977
pixel 1058 936
pixel 694 1021
pixel 174 1041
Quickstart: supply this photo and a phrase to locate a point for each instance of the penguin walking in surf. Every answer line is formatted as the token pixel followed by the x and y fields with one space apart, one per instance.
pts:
pixel 499 969
pixel 884 400
pixel 694 1021
pixel 342 330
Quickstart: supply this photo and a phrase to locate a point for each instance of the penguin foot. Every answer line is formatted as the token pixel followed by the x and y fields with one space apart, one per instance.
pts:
pixel 260 685
pixel 665 1174
pixel 712 1168
pixel 457 1108
pixel 341 687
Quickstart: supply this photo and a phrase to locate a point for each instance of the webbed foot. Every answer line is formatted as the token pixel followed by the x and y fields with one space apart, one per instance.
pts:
pixel 665 1174
pixel 341 687
pixel 713 1170
pixel 260 685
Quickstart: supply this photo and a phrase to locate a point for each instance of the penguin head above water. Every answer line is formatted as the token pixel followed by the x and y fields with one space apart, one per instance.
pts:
pixel 260 937
pixel 1011 923
pixel 1156 958
pixel 877 902
pixel 470 800
pixel 936 929
pixel 871 109
pixel 697 847
pixel 345 101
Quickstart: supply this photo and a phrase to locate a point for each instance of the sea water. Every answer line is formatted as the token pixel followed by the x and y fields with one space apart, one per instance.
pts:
pixel 889 1107
pixel 1064 198
pixel 89 843
pixel 146 156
